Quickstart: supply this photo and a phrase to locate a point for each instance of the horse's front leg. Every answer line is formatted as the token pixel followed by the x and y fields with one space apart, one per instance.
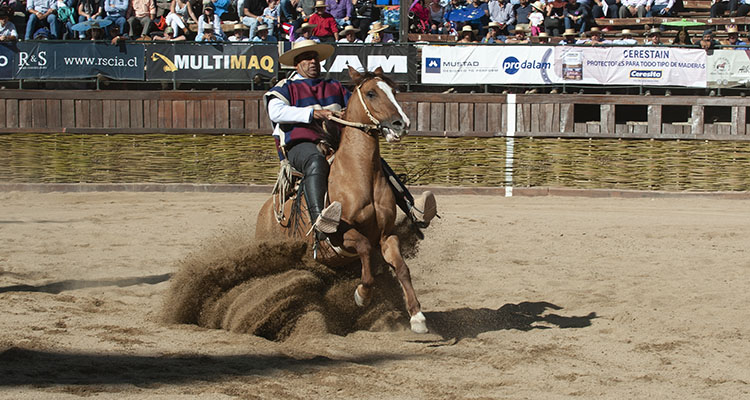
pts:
pixel 392 255
pixel 357 241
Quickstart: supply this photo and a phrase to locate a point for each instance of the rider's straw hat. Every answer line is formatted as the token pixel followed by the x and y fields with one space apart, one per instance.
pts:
pixel 303 46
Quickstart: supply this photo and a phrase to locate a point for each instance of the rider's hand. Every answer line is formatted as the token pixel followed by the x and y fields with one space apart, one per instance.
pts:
pixel 322 114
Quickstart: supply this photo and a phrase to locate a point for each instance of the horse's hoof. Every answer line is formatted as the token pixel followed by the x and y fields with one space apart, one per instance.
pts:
pixel 419 323
pixel 359 300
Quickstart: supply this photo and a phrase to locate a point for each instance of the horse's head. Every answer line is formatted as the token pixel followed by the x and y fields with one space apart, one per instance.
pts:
pixel 376 103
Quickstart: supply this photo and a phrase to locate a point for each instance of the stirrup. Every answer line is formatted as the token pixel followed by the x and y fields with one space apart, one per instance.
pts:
pixel 424 209
pixel 328 220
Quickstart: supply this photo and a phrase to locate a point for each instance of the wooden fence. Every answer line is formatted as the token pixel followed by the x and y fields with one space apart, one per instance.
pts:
pixel 450 115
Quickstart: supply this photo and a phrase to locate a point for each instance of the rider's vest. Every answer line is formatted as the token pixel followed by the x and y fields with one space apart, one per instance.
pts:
pixel 313 93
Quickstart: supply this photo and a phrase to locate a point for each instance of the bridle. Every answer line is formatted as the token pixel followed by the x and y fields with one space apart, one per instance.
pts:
pixel 375 127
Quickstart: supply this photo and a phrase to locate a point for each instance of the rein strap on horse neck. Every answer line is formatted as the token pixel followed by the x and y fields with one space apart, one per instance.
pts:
pixel 375 126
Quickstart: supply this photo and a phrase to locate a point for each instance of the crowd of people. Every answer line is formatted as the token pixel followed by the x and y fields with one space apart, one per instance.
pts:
pixel 349 21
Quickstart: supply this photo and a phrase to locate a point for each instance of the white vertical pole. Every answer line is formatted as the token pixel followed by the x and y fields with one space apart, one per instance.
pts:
pixel 509 144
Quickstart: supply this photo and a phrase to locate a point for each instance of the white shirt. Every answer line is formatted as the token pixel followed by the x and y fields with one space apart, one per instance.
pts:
pixel 8 30
pixel 345 40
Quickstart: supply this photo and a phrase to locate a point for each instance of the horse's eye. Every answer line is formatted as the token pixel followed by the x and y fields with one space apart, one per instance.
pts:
pixel 371 94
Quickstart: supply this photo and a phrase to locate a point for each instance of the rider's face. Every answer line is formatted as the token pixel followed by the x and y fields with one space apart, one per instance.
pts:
pixel 307 65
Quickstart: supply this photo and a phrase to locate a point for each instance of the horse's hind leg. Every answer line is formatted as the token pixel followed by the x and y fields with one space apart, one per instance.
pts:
pixel 392 255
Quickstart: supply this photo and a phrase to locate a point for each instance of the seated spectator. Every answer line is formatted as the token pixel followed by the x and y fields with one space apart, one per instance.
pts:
pixel 367 13
pixel 419 18
pixel 576 16
pixel 238 35
pixel 304 32
pixel 494 34
pixel 141 16
pixel 116 11
pixel 522 12
pixel 633 9
pixel 536 18
pixel 349 35
pixel 209 26
pixel 554 17
pixel 743 8
pixel 719 7
pixel 376 34
pixel 66 17
pixel 483 11
pixel 170 35
pixel 8 31
pixel 612 8
pixel 289 11
pixel 708 42
pixel 326 29
pixel 252 14
pixel 597 37
pixel 543 38
pixel 626 38
pixel 42 12
pixel 271 16
pixel 656 8
pixel 437 13
pixel 221 8
pixel 682 38
pixel 261 34
pixel 501 12
pixel 468 34
pixel 733 38
pixel 519 37
pixel 341 10
pixel 569 37
pixel 179 14
pixel 653 37
pixel 88 10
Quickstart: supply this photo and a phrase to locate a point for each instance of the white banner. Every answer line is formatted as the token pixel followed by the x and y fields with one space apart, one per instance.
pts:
pixel 656 66
pixel 487 64
pixel 649 66
pixel 728 68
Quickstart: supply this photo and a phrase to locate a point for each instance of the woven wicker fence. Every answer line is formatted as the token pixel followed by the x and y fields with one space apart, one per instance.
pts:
pixel 573 163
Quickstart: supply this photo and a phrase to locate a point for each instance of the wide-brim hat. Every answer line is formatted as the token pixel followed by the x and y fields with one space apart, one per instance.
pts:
pixel 543 35
pixel 348 29
pixel 519 30
pixel 320 4
pixel 377 26
pixel 468 28
pixel 732 29
pixel 493 24
pixel 208 6
pixel 653 31
pixel 241 27
pixel 595 30
pixel 303 46
pixel 261 27
pixel 538 5
pixel 305 27
pixel 570 32
pixel 625 32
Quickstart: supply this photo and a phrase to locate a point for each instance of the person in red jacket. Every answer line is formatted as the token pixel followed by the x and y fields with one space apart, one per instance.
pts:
pixel 326 30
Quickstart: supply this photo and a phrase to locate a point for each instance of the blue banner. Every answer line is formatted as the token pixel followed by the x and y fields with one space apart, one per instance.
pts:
pixel 40 60
pixel 7 60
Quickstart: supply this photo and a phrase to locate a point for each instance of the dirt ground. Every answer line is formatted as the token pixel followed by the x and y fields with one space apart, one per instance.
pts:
pixel 538 298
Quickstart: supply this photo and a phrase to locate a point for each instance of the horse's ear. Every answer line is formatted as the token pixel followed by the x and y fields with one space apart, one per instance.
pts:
pixel 354 74
pixel 379 71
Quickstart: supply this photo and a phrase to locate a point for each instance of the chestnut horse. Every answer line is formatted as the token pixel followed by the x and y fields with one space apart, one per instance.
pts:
pixel 357 180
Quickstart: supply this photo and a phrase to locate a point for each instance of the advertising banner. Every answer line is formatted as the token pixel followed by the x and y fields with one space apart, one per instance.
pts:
pixel 648 66
pixel 7 60
pixel 727 68
pixel 487 64
pixel 40 60
pixel 227 62
pixel 393 59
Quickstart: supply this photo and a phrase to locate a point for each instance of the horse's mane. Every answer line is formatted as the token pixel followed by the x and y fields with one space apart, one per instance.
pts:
pixel 332 131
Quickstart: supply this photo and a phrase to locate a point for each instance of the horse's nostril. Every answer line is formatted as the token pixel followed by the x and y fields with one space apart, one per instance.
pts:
pixel 398 124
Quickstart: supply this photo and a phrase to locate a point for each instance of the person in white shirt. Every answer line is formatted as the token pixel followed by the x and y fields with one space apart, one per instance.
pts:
pixel 349 34
pixel 376 34
pixel 626 38
pixel 8 31
pixel 633 9
pixel 239 34
pixel 304 32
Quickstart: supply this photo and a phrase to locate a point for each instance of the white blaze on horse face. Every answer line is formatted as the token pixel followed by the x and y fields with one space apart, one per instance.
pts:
pixel 389 93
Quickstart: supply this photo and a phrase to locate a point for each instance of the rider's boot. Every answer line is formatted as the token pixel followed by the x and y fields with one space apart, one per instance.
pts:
pixel 325 220
pixel 424 209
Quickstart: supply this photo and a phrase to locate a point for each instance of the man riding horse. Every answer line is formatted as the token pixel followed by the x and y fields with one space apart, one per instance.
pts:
pixel 297 106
